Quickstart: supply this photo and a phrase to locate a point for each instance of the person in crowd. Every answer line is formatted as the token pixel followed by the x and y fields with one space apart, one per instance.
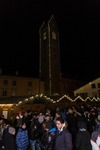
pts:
pixel 83 137
pixel 95 138
pixel 43 139
pixel 1 130
pixel 18 120
pixel 26 119
pixel 41 118
pixel 98 109
pixel 51 138
pixel 97 121
pixel 49 122
pixel 22 139
pixel 8 138
pixel 63 139
pixel 34 136
pixel 72 123
pixel 34 118
pixel 64 114
pixel 90 120
pixel 57 115
pixel 48 138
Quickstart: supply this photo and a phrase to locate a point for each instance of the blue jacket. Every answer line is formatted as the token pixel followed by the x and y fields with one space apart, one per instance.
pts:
pixel 22 139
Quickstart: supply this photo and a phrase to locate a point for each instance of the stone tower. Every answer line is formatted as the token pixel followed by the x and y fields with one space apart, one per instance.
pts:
pixel 49 70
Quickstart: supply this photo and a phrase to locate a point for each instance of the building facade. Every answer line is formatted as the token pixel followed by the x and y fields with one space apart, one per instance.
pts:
pixel 15 86
pixel 91 89
pixel 49 70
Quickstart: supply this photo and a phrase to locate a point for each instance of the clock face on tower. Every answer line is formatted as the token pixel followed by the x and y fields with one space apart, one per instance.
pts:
pixel 53 35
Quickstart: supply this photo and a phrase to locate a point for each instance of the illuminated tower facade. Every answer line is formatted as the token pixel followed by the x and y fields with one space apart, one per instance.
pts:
pixel 49 70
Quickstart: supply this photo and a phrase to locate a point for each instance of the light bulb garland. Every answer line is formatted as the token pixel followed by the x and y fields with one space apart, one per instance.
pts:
pixel 64 97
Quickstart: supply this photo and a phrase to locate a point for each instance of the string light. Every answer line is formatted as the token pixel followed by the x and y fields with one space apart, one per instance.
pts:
pixel 48 99
pixel 41 96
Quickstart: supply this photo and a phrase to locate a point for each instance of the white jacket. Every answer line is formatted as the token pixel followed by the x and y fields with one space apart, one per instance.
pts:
pixel 96 145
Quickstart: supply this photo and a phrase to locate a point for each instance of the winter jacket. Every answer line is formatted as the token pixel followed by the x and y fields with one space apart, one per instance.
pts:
pixel 8 140
pixel 63 140
pixel 22 139
pixel 33 133
pixel 83 140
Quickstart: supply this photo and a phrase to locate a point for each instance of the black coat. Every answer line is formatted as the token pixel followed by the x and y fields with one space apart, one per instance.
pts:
pixel 45 143
pixel 63 140
pixel 83 141
pixel 8 140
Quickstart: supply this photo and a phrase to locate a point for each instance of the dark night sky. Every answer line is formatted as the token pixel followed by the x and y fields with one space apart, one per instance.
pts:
pixel 79 29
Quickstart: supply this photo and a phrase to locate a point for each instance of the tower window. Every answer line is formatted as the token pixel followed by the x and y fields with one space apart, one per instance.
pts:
pixel 53 35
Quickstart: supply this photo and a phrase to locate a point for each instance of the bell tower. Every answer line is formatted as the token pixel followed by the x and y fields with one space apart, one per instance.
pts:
pixel 49 70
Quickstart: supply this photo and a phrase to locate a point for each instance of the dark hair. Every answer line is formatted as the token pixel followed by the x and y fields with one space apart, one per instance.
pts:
pixel 59 113
pixel 60 119
pixel 47 115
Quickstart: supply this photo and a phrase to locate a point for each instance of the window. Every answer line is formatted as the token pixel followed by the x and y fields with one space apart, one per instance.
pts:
pixel 98 85
pixel 4 93
pixel 5 82
pixel 93 85
pixel 14 83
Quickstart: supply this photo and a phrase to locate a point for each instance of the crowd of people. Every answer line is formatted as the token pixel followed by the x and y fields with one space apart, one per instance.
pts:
pixel 73 128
